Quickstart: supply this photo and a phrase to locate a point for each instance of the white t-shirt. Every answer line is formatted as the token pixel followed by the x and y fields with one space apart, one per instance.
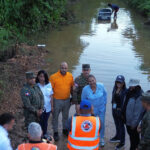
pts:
pixel 47 92
pixel 4 140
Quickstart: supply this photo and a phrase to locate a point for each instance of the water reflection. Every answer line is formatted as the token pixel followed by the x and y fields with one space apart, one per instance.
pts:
pixel 114 26
pixel 123 50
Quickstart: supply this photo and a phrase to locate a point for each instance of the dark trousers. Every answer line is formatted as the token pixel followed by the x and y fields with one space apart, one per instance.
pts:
pixel 44 121
pixel 134 137
pixel 120 128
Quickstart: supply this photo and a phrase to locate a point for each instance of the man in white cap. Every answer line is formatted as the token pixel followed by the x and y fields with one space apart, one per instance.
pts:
pixel 133 111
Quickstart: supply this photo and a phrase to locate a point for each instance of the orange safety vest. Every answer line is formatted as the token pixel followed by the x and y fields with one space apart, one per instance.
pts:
pixel 84 134
pixel 37 146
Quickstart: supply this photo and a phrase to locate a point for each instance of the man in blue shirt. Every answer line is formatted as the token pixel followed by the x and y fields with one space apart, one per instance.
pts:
pixel 114 8
pixel 6 124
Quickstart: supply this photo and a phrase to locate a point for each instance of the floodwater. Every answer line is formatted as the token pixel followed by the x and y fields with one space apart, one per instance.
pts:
pixel 119 47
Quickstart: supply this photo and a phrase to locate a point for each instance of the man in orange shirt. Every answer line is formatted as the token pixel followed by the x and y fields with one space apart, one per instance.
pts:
pixel 62 84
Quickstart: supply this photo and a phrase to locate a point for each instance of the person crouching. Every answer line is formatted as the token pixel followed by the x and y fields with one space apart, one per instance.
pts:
pixel 84 129
pixel 35 141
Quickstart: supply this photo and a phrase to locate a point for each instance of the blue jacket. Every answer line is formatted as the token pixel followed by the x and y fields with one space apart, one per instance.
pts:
pixel 97 99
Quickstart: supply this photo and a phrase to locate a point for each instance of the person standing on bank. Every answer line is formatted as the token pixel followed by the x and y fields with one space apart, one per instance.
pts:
pixel 80 82
pixel 96 94
pixel 114 8
pixel 133 111
pixel 46 88
pixel 145 125
pixel 33 100
pixel 118 96
pixel 6 124
pixel 62 84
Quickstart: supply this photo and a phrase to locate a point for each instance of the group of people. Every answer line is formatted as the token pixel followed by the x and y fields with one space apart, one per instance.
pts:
pixel 42 95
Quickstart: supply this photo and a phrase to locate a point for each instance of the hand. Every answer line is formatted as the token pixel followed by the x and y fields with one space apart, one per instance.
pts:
pixel 139 129
pixel 52 141
pixel 39 112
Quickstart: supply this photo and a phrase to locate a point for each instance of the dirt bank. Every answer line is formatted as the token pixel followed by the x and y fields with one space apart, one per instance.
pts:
pixel 12 77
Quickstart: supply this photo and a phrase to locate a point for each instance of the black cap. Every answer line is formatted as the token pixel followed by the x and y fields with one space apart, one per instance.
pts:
pixel 120 78
pixel 85 66
pixel 30 75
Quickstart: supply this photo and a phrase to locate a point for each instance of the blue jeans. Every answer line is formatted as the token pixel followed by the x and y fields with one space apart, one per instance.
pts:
pixel 120 128
pixel 44 121
pixel 102 118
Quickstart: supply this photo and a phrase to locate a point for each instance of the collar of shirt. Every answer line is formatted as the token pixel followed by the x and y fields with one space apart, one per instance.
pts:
pixel 3 130
pixel 35 141
pixel 61 74
pixel 86 115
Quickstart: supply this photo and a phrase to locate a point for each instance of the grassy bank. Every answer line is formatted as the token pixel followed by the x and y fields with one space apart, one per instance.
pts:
pixel 143 6
pixel 21 18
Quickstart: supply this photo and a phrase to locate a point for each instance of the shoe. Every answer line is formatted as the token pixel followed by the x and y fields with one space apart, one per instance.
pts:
pixel 114 140
pixel 56 136
pixel 119 146
pixel 102 142
pixel 65 132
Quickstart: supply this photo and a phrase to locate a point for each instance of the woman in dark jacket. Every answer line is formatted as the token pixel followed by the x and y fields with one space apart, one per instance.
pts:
pixel 133 111
pixel 118 96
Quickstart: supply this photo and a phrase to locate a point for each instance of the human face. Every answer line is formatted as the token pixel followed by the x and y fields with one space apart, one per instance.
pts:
pixel 63 69
pixel 119 85
pixel 132 88
pixel 86 72
pixel 31 81
pixel 41 78
pixel 92 81
pixel 10 125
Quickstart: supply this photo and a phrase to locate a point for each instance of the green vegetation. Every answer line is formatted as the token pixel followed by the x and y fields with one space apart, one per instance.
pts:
pixel 142 5
pixel 19 18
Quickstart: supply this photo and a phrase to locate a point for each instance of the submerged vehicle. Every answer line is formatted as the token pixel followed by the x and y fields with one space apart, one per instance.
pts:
pixel 104 14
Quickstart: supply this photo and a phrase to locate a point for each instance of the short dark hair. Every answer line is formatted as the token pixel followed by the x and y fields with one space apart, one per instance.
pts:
pixel 6 118
pixel 109 4
pixel 91 76
pixel 45 76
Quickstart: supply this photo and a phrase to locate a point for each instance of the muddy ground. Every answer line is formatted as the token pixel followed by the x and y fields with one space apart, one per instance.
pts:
pixel 12 77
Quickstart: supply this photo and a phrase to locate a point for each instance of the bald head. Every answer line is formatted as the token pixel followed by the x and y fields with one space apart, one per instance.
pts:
pixel 63 68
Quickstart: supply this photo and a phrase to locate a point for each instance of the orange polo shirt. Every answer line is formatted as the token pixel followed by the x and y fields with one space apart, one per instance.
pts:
pixel 61 85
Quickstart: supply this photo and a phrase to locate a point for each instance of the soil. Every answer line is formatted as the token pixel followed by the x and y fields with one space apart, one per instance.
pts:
pixel 12 77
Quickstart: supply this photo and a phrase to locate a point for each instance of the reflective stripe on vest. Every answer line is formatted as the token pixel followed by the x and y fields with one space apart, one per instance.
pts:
pixel 83 147
pixel 81 138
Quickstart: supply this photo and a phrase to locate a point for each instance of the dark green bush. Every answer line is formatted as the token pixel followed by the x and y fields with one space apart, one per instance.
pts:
pixel 19 18
pixel 142 5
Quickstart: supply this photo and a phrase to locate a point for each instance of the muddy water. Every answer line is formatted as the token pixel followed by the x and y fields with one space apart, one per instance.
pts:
pixel 118 47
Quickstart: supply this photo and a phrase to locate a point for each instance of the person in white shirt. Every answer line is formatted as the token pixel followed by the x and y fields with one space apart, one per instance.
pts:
pixel 6 124
pixel 46 88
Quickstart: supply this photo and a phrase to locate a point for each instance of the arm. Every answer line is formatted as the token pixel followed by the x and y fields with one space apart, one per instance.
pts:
pixel 26 101
pixel 105 95
pixel 144 143
pixel 51 103
pixel 84 94
pixel 72 86
pixel 75 92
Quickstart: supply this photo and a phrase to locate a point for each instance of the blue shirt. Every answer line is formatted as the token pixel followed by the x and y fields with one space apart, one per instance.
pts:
pixel 113 6
pixel 4 139
pixel 97 99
